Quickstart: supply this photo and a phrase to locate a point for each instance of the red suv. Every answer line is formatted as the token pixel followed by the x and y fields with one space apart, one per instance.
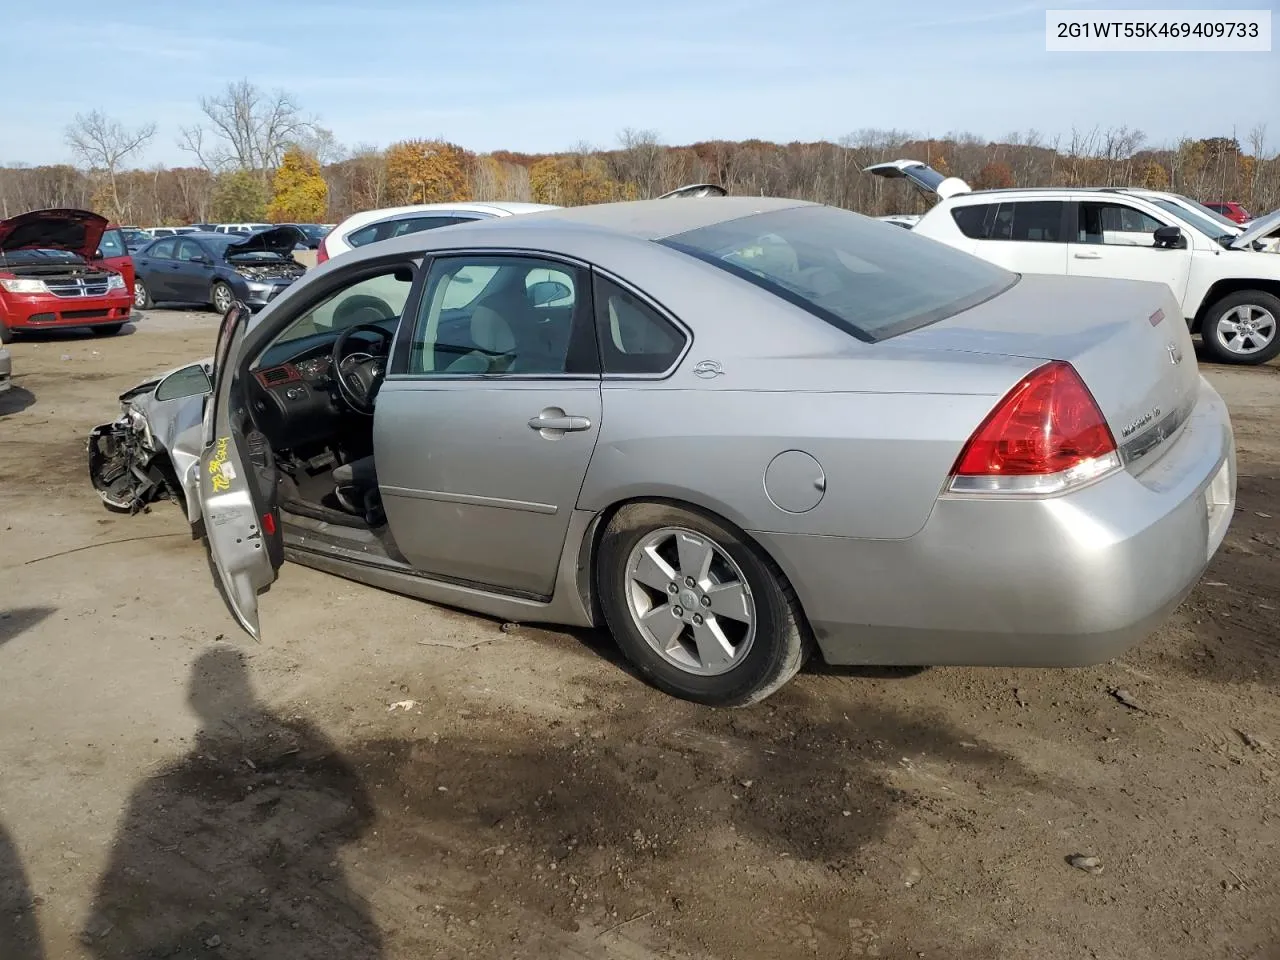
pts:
pixel 62 268
pixel 1231 210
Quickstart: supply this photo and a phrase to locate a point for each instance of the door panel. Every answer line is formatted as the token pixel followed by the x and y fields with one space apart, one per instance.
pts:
pixel 471 489
pixel 486 425
pixel 1115 240
pixel 158 268
pixel 191 281
pixel 238 484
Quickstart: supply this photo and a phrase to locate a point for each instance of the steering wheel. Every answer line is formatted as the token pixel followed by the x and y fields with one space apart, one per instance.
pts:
pixel 359 374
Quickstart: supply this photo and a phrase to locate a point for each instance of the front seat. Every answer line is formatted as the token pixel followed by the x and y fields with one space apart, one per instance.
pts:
pixel 492 334
pixel 356 488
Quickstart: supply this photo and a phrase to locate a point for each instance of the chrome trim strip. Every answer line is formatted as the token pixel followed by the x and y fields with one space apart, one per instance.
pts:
pixel 500 503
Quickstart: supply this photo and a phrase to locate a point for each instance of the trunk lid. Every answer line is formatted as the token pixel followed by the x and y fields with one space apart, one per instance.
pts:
pixel 1125 338
pixel 921 176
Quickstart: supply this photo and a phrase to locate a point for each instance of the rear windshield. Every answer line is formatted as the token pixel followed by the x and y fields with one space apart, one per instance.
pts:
pixel 868 278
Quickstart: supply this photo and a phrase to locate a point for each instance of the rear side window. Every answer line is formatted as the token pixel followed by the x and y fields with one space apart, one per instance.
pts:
pixel 872 280
pixel 634 338
pixel 162 250
pixel 397 228
pixel 975 221
pixel 1034 221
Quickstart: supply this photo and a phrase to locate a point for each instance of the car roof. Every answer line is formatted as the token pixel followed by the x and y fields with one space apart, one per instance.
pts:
pixel 579 231
pixel 654 219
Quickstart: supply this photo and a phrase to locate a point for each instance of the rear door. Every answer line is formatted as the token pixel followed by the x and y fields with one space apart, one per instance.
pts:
pixel 156 267
pixel 193 278
pixel 238 483
pixel 1114 239
pixel 1026 236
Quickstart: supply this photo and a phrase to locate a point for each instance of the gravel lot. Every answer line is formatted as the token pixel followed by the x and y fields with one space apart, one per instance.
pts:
pixel 171 788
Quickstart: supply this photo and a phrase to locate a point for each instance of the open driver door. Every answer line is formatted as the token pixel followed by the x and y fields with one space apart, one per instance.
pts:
pixel 238 482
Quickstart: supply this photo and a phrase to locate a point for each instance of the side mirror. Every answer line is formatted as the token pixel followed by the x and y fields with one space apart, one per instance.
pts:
pixel 547 291
pixel 190 381
pixel 1170 237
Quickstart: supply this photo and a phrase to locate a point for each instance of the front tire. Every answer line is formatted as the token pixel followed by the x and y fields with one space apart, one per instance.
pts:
pixel 1243 328
pixel 107 329
pixel 696 607
pixel 222 297
pixel 141 295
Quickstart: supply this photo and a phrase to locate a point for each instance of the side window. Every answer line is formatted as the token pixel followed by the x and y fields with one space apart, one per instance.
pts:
pixel 364 235
pixel 112 245
pixel 1035 221
pixel 418 224
pixel 163 250
pixel 369 300
pixel 975 220
pixel 633 337
pixel 188 250
pixel 503 315
pixel 1115 224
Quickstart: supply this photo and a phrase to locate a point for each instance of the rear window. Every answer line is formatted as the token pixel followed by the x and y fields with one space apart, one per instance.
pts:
pixel 869 279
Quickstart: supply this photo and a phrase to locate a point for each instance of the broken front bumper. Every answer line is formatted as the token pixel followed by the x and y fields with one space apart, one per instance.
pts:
pixel 124 467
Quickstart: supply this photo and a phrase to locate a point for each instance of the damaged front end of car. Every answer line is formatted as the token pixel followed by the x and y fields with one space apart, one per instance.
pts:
pixel 152 450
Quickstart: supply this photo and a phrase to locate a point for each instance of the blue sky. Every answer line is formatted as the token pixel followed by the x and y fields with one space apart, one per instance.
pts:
pixel 540 75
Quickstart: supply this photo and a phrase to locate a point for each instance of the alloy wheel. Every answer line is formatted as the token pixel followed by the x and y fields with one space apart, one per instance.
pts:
pixel 690 601
pixel 222 298
pixel 1246 329
pixel 139 294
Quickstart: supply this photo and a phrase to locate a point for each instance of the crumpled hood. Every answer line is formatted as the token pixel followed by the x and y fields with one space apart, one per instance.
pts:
pixel 77 231
pixel 279 240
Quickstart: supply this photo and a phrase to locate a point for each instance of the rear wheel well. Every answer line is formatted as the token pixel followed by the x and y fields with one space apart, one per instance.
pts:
pixel 1224 288
pixel 590 550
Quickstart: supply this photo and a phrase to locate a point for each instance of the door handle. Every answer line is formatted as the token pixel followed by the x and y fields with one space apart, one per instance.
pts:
pixel 561 424
pixel 1087 255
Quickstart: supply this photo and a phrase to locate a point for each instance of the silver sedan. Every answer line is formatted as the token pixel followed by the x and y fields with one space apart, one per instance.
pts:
pixel 732 430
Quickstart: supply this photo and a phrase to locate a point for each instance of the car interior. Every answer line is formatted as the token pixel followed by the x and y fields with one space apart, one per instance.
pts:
pixel 313 389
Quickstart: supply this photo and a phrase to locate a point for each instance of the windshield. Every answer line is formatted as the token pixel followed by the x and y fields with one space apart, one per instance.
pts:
pixel 1210 228
pixel 870 279
pixel 1209 212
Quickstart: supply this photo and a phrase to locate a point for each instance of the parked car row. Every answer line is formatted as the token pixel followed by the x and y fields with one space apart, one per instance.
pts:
pixel 1225 277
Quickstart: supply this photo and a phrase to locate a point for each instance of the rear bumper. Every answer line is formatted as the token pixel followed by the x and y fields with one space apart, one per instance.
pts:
pixel 1067 581
pixel 44 311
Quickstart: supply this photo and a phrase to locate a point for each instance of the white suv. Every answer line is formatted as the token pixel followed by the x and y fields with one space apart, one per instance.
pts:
pixel 1227 282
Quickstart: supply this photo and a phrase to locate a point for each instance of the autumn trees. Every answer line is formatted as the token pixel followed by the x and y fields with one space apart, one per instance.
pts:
pixel 300 194
pixel 258 155
pixel 426 171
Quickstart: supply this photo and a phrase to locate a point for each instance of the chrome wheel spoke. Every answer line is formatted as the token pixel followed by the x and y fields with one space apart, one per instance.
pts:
pixel 664 625
pixel 653 571
pixel 696 555
pixel 730 600
pixel 714 648
pixel 690 601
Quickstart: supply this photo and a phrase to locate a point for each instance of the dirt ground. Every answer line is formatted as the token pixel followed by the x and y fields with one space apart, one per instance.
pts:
pixel 381 778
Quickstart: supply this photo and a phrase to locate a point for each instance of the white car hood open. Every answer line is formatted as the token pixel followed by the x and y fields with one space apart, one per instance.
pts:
pixel 1258 229
pixel 922 176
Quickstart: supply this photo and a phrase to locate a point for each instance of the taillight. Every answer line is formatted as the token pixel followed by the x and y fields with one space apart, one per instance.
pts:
pixel 1047 435
pixel 322 252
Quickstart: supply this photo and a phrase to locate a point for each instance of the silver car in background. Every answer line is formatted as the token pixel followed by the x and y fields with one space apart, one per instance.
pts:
pixel 731 430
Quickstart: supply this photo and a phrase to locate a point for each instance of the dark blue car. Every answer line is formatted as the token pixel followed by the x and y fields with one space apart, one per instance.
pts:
pixel 217 269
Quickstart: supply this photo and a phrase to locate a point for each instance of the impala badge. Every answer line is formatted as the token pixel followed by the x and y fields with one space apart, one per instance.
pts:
pixel 1175 353
pixel 706 369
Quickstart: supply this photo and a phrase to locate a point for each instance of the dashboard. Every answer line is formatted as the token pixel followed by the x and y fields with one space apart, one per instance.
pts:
pixel 293 392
